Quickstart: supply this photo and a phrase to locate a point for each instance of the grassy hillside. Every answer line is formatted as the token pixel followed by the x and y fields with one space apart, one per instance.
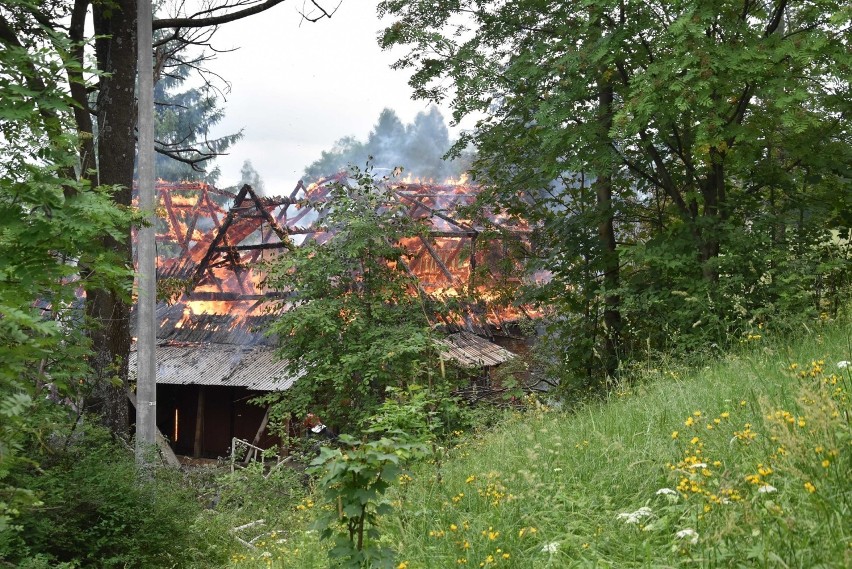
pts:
pixel 746 463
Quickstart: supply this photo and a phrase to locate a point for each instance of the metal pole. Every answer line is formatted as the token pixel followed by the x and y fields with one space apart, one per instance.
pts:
pixel 146 327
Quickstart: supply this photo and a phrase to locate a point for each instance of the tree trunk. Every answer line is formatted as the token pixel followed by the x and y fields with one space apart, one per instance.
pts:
pixel 82 116
pixel 606 234
pixel 115 24
pixel 713 193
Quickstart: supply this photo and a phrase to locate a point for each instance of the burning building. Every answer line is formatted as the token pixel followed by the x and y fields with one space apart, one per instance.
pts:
pixel 212 356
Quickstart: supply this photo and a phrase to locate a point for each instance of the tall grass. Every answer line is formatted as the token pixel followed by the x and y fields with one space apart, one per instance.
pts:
pixel 745 463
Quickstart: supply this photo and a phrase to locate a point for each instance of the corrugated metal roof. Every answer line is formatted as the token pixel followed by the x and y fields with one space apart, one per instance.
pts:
pixel 256 368
pixel 469 350
pixel 177 326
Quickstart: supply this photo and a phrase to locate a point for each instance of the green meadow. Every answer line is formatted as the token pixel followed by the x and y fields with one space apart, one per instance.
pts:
pixel 746 462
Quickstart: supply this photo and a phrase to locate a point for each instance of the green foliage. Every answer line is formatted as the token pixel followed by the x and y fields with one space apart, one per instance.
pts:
pixel 751 454
pixel 353 481
pixel 50 225
pixel 254 493
pixel 716 127
pixel 411 411
pixel 354 325
pixel 96 511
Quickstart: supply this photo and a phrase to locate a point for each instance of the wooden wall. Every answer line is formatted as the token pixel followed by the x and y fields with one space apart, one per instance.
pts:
pixel 226 413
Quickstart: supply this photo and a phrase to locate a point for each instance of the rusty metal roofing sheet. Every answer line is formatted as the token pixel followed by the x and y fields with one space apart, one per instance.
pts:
pixel 177 326
pixel 469 350
pixel 256 368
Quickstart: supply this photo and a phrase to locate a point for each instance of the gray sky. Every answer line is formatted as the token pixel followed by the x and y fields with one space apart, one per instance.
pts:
pixel 297 87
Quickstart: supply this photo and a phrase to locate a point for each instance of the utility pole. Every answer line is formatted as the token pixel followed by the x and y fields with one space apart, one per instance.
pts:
pixel 146 326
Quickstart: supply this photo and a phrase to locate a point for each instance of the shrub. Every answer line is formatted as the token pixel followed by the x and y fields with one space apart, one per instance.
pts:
pixel 96 511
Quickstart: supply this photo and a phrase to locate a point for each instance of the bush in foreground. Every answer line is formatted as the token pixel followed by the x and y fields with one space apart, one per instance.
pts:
pixel 96 511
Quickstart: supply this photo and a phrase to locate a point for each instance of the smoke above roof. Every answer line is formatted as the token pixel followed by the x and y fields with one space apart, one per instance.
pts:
pixel 418 147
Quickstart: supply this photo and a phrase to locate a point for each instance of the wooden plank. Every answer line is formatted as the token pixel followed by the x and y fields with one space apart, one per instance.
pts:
pixel 258 247
pixel 199 424
pixel 256 441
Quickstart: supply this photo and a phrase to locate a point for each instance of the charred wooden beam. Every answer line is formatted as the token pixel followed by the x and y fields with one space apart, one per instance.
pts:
pixel 276 201
pixel 220 235
pixel 257 247
pixel 235 296
pixel 167 203
pixel 439 262
pixel 190 228
pixel 437 213
pixel 282 235
pixel 459 233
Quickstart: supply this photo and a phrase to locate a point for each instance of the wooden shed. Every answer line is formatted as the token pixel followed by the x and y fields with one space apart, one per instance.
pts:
pixel 212 356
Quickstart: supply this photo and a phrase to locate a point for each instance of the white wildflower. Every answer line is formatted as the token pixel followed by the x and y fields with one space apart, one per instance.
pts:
pixel 688 533
pixel 671 495
pixel 767 489
pixel 635 517
pixel 698 465
pixel 844 364
pixel 551 547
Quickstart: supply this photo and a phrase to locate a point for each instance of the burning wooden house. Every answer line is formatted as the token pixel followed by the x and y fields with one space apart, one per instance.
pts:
pixel 212 356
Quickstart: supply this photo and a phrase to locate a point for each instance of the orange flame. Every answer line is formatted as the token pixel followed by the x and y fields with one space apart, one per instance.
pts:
pixel 446 275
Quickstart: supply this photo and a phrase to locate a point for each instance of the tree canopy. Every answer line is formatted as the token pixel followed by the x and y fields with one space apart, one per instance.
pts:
pixel 51 226
pixel 713 136
pixel 352 327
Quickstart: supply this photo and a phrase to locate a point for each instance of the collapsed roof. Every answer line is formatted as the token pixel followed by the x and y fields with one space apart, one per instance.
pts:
pixel 211 333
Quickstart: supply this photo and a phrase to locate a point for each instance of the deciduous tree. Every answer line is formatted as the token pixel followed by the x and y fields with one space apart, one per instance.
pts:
pixel 51 225
pixel 352 327
pixel 683 116
pixel 106 147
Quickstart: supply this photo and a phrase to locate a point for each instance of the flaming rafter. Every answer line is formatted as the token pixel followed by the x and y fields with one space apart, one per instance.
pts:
pixel 215 251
